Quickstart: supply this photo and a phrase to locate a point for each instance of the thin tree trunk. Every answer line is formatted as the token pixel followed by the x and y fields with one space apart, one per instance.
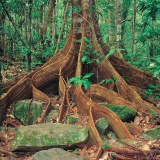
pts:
pixel 111 21
pixel 125 8
pixel 55 22
pixel 63 25
pixel 25 22
pixel 118 21
pixel 41 26
pixel 2 35
pixel 133 26
pixel 30 36
pixel 48 16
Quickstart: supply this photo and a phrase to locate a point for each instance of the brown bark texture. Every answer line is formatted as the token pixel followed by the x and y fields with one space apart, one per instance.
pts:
pixel 67 63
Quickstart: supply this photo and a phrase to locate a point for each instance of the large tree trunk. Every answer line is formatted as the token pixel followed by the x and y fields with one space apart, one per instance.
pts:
pixel 67 63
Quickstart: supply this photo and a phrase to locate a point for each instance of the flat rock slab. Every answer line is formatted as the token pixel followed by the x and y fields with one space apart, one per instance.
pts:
pixel 56 154
pixel 48 135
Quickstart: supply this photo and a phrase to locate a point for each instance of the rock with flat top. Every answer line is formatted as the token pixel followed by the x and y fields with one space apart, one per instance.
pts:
pixel 48 135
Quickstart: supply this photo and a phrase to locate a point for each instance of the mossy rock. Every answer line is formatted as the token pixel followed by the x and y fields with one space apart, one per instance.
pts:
pixel 44 136
pixel 56 154
pixel 153 134
pixel 28 111
pixel 155 114
pixel 102 126
pixel 70 119
pixel 52 115
pixel 124 112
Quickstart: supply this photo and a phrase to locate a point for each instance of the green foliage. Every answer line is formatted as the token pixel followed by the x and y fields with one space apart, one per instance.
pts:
pixel 106 81
pixel 81 81
pixel 105 144
pixel 150 8
pixel 150 91
pixel 88 52
pixel 77 9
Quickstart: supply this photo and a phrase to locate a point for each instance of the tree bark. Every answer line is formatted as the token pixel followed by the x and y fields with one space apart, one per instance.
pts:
pixel 118 21
pixel 55 22
pixel 41 27
pixel 134 26
pixel 48 16
pixel 111 21
pixel 63 25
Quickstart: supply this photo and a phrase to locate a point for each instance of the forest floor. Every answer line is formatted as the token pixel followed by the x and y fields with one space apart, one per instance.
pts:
pixel 143 121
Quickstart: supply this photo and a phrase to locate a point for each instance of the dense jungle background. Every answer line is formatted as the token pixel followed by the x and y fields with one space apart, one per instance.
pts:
pixel 79 63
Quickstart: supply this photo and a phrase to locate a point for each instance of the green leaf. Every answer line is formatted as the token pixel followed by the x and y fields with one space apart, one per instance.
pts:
pixel 98 12
pixel 85 86
pixel 111 52
pixel 105 142
pixel 103 147
pixel 76 82
pixel 73 79
pixel 110 134
pixel 88 75
pixel 108 146
pixel 86 39
pixel 106 80
pixel 105 10
pixel 156 73
pixel 86 81
pixel 84 58
pixel 80 82
pixel 102 81
pixel 158 59
pixel 109 80
pixel 97 60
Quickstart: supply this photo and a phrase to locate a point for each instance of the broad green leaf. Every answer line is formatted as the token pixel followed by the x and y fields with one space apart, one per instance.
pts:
pixel 156 73
pixel 105 142
pixel 111 52
pixel 88 75
pixel 84 58
pixel 108 146
pixel 86 39
pixel 80 82
pixel 73 79
pixel 106 80
pixel 85 86
pixel 97 60
pixel 158 59
pixel 102 81
pixel 105 10
pixel 86 81
pixel 93 6
pixel 76 82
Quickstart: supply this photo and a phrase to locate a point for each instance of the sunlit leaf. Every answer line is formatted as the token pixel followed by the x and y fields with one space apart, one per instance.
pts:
pixel 86 39
pixel 88 75
pixel 84 58
pixel 111 52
